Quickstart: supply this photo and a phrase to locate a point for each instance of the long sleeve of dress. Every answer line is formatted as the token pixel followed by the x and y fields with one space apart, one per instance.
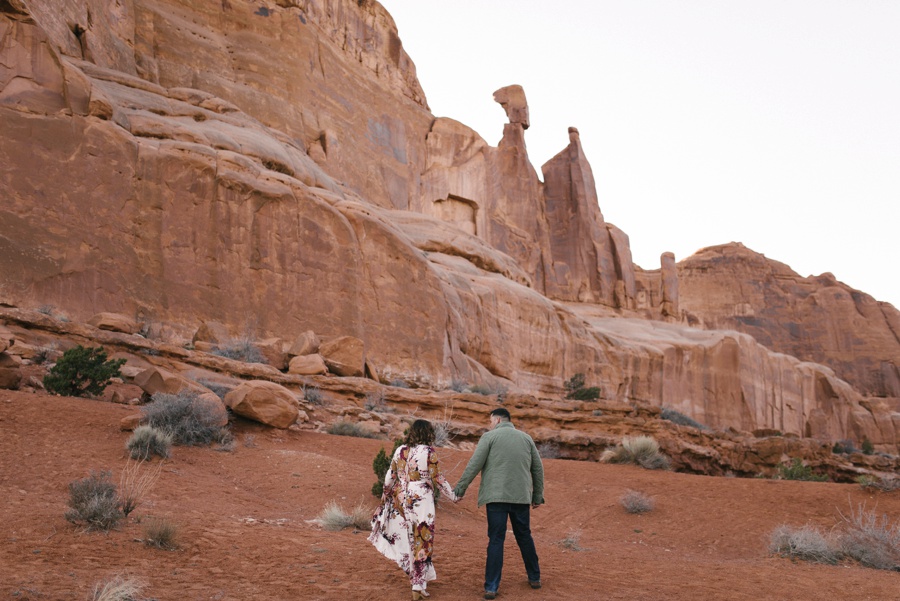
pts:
pixel 437 476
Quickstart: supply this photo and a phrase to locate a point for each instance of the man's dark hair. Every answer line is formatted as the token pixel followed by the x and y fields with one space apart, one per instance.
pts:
pixel 501 413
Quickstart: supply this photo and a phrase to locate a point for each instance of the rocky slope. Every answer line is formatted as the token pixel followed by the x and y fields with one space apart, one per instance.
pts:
pixel 274 168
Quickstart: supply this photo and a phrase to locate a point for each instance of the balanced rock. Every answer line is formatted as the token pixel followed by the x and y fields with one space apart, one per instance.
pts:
pixel 308 365
pixel 344 356
pixel 264 402
pixel 114 322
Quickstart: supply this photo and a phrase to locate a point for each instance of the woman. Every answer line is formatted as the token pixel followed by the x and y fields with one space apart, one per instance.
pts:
pixel 403 526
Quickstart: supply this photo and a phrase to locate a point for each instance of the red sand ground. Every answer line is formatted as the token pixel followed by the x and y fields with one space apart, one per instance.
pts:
pixel 244 522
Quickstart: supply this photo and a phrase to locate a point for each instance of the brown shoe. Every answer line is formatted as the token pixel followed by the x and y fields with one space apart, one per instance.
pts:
pixel 535 584
pixel 490 594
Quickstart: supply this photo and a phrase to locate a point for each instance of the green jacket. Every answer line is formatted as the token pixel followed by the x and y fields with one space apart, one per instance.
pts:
pixel 510 466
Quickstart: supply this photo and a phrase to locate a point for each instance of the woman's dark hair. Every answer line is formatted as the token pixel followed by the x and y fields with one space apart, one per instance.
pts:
pixel 420 432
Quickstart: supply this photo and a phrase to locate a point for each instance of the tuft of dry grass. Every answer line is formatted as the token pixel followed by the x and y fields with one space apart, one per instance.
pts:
pixel 118 588
pixel 443 428
pixel 161 533
pixel 639 450
pixel 93 501
pixel 135 482
pixel 147 441
pixel 572 541
pixel 636 502
pixel 334 518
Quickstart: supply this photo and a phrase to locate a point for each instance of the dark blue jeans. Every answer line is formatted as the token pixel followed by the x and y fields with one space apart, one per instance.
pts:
pixel 520 517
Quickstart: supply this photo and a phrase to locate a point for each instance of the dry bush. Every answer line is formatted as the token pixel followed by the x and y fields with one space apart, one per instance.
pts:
pixel 161 533
pixel 94 503
pixel 639 450
pixel 190 421
pixel 135 482
pixel 312 394
pixel 443 428
pixel 548 450
pixel 240 349
pixel 572 541
pixel 889 484
pixel 334 518
pixel 806 543
pixel 118 588
pixel 146 442
pixel 636 502
pixel 872 540
pixel 342 428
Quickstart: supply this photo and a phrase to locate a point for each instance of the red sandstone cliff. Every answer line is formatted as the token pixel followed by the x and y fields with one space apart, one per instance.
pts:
pixel 274 167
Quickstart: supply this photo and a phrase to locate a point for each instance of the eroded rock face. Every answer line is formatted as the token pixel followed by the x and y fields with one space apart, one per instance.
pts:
pixel 817 319
pixel 304 184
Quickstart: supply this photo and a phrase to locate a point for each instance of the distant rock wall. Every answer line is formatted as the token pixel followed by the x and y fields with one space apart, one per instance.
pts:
pixel 816 319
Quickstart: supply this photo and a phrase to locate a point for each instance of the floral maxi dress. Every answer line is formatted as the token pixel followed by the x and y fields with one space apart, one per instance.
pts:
pixel 403 526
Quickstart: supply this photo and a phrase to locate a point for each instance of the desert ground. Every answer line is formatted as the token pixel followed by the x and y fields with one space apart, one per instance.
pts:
pixel 246 529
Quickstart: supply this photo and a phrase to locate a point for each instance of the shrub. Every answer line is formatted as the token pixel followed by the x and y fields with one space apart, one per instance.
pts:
pixel 82 371
pixel 240 349
pixel 375 402
pixel 636 502
pixel 161 533
pixel 883 484
pixel 639 450
pixel 548 450
pixel 312 395
pixel 458 385
pixel 189 421
pixel 806 543
pixel 797 471
pixel 134 484
pixel 334 518
pixel 380 465
pixel 397 383
pixel 146 442
pixel 681 419
pixel 572 541
pixel 93 502
pixel 872 540
pixel 489 389
pixel 219 389
pixel 343 428
pixel 844 447
pixel 118 589
pixel 575 389
pixel 867 447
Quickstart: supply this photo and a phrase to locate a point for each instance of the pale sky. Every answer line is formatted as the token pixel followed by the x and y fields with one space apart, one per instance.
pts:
pixel 775 123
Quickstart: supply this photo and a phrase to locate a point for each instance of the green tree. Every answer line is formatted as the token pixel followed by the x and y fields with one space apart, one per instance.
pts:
pixel 82 371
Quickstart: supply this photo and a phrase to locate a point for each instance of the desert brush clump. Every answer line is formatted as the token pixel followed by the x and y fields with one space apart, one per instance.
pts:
pixel 680 418
pixel 136 480
pixel 82 371
pixel 576 390
pixel 806 543
pixel 94 502
pixel 160 533
pixel 572 541
pixel 795 470
pixel 334 518
pixel 639 450
pixel 344 428
pixel 636 502
pixel 889 484
pixel 240 349
pixel 118 588
pixel 147 442
pixel 189 420
pixel 871 539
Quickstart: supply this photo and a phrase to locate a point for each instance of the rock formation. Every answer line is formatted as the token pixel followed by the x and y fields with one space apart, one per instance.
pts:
pixel 275 169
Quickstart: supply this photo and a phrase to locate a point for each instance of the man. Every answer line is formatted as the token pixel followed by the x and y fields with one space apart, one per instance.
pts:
pixel 512 481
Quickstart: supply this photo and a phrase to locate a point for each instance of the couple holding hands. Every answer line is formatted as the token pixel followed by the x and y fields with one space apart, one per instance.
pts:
pixel 512 481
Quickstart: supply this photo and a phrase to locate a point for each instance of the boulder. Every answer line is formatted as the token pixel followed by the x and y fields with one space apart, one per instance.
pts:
pixel 344 356
pixel 7 360
pixel 211 331
pixel 308 365
pixel 264 402
pixel 306 343
pixel 154 379
pixel 10 377
pixel 273 351
pixel 114 322
pixel 6 339
pixel 214 406
pixel 130 422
